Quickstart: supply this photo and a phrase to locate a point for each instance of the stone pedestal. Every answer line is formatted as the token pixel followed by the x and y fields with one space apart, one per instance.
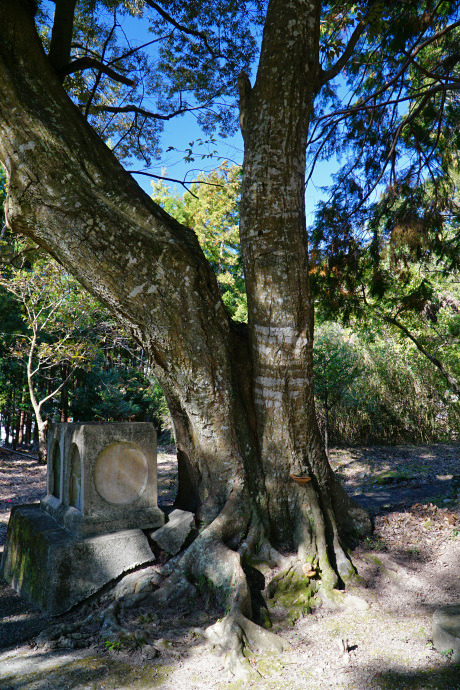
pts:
pixel 55 570
pixel 87 531
pixel 102 477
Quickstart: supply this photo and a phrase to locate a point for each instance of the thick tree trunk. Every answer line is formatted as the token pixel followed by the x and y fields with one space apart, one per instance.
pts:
pixel 241 398
pixel 274 118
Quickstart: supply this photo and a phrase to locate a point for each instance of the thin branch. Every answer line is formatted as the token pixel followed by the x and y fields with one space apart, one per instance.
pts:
pixel 184 29
pixel 98 76
pixel 135 50
pixel 172 179
pixel 365 105
pixel 131 108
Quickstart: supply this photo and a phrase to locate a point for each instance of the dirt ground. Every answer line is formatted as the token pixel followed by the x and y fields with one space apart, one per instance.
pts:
pixel 408 568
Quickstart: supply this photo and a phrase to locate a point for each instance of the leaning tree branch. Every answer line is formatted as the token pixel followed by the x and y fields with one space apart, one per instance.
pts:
pixel 434 360
pixel 327 75
pixel 410 58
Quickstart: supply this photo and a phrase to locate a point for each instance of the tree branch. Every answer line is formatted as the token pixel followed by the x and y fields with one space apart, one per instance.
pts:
pixel 434 360
pixel 327 75
pixel 61 36
pixel 83 63
pixel 131 108
pixel 191 32
pixel 172 179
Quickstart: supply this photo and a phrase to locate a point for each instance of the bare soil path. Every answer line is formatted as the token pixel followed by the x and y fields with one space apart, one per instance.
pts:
pixel 409 567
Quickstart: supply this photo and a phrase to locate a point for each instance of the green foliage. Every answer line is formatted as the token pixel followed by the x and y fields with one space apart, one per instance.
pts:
pixel 391 396
pixel 73 343
pixel 336 363
pixel 211 209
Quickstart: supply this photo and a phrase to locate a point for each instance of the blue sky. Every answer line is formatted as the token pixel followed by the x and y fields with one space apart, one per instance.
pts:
pixel 180 131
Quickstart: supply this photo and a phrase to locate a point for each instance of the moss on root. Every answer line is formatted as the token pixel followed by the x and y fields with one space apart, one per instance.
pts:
pixel 293 591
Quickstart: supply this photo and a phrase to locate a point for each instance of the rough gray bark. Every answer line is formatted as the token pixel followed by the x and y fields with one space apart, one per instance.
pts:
pixel 241 399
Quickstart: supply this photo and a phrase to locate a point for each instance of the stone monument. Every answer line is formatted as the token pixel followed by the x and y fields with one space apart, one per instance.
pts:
pixel 87 531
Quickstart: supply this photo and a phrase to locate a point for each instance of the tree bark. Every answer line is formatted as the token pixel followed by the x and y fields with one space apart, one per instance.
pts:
pixel 64 397
pixel 274 116
pixel 241 399
pixel 28 430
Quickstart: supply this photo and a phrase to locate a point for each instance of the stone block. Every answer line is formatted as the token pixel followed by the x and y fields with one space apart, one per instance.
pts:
pixel 102 477
pixel 171 537
pixel 446 630
pixel 54 569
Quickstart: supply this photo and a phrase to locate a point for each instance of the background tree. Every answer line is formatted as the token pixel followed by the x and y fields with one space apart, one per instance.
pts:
pixel 241 398
pixel 53 338
pixel 62 352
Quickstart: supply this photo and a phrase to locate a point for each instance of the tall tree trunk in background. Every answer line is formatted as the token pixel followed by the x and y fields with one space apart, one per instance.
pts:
pixel 14 422
pixel 21 427
pixel 241 399
pixel 20 435
pixel 6 420
pixel 64 397
pixel 28 429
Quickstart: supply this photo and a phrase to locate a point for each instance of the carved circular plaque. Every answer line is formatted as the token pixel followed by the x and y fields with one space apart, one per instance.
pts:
pixel 120 473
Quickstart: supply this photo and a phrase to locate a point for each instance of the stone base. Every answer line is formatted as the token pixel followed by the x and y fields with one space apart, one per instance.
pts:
pixel 446 630
pixel 55 570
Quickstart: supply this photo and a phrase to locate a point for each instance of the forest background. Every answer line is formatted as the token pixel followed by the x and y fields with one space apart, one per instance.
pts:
pixel 64 357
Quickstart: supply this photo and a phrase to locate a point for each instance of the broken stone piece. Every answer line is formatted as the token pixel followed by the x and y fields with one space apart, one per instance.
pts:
pixel 171 537
pixel 150 652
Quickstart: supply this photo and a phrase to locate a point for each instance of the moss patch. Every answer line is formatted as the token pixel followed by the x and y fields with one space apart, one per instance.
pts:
pixel 292 591
pixel 391 477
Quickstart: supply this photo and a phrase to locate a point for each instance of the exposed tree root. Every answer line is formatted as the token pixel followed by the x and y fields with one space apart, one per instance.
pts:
pixel 235 634
pixel 210 567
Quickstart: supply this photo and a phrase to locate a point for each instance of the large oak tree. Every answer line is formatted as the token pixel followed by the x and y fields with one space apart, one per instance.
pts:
pixel 241 398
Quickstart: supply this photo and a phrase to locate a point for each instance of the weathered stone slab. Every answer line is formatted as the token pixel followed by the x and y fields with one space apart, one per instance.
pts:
pixel 171 537
pixel 54 569
pixel 446 630
pixel 102 477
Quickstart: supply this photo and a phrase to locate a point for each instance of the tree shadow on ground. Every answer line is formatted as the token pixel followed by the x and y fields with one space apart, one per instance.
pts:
pixel 89 671
pixel 445 678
